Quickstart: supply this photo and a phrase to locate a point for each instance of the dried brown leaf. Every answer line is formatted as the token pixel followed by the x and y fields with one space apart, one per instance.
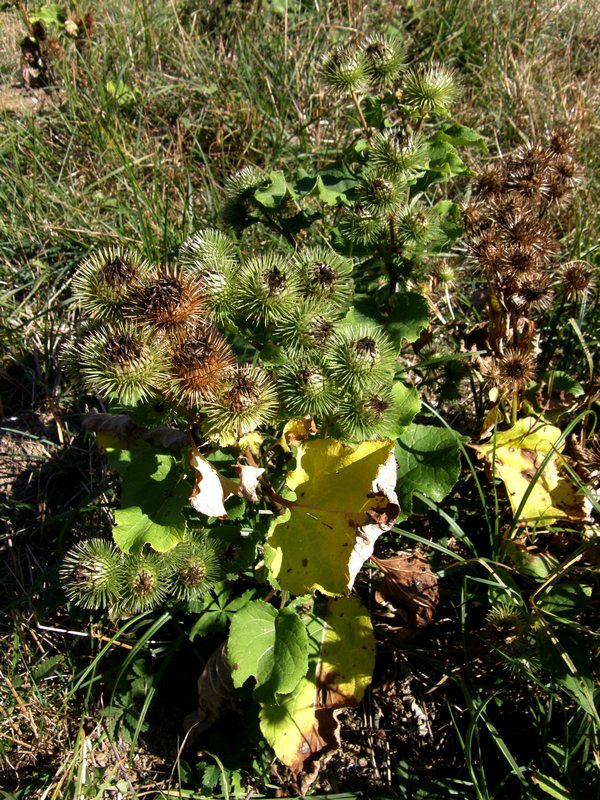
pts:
pixel 130 434
pixel 215 693
pixel 410 585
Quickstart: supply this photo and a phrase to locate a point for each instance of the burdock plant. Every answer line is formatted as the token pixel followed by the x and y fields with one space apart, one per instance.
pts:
pixel 195 565
pixel 268 288
pixel 196 364
pixel 145 582
pixel 211 255
pixel 245 400
pixel 361 357
pixel 235 340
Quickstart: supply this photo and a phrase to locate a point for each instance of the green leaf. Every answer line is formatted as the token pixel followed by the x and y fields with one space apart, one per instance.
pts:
pixel 48 14
pixel 562 382
pixel 460 135
pixel 325 536
pixel 551 786
pixel 450 221
pixel 406 400
pixel 301 726
pixel 444 164
pixel 408 317
pixel 281 7
pixel 216 610
pixel 47 666
pixel 335 185
pixel 272 195
pixel 124 96
pixel 564 654
pixel 374 111
pixel 444 158
pixel 269 645
pixel 428 462
pixel 330 194
pixel 534 565
pixel 565 599
pixel 154 492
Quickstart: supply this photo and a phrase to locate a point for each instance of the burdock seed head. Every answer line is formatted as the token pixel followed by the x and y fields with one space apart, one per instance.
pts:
pixel 398 153
pixel 104 280
pixel 92 574
pixel 380 193
pixel 506 626
pixel 416 226
pixel 562 141
pixel 577 278
pixel 385 59
pixel 324 275
pixel 122 363
pixel 268 289
pixel 239 195
pixel 562 176
pixel 145 582
pixel 245 400
pixel 363 227
pixel 195 566
pixel 211 256
pixel 309 327
pixel 533 291
pixel 361 357
pixel 490 182
pixel 511 372
pixel 345 69
pixel 168 302
pixel 197 364
pixel 430 88
pixel 368 415
pixel 305 388
pixel 209 249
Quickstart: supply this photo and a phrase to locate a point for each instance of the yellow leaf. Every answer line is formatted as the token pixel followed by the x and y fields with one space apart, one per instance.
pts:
pixel 516 455
pixel 345 500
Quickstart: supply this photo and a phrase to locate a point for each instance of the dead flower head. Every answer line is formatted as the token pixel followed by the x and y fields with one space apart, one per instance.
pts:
pixel 577 278
pixel 512 371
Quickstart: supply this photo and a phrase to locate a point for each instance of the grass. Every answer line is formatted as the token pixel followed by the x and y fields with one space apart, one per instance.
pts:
pixel 206 88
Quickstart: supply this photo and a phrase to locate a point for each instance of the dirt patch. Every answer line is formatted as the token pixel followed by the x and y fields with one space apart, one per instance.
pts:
pixel 17 100
pixel 24 445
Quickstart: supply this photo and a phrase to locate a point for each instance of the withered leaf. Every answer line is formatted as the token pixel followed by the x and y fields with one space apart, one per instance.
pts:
pixel 211 489
pixel 128 434
pixel 410 585
pixel 215 693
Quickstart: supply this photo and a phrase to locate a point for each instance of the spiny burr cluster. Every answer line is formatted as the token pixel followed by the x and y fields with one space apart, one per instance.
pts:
pixel 96 574
pixel 156 333
pixel 511 240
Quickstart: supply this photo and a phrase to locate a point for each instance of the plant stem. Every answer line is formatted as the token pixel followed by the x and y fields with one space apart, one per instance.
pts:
pixel 514 407
pixel 420 124
pixel 361 116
